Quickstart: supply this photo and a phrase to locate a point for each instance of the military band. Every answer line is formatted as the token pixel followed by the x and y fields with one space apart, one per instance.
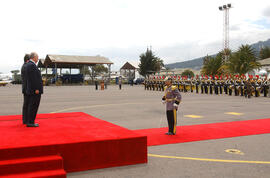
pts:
pixel 238 86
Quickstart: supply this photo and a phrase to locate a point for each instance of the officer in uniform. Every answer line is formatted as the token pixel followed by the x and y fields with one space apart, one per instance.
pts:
pixel 162 85
pixel 248 88
pixel 226 85
pixel 216 85
pixel 221 85
pixel 268 87
pixel 184 85
pixel 230 87
pixel 191 85
pixel 235 87
pixel 145 84
pixel 264 87
pixel 242 88
pixel 202 86
pixel 178 84
pixel 197 85
pixel 172 98
pixel 206 86
pixel 211 87
pixel 153 85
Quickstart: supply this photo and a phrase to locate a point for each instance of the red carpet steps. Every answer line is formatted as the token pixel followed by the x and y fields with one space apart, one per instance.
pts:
pixel 83 141
pixel 44 166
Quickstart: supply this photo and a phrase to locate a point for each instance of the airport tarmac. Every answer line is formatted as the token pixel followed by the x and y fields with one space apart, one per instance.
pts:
pixel 135 108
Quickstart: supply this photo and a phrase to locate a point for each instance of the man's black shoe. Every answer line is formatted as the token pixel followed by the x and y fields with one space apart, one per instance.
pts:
pixel 169 133
pixel 32 125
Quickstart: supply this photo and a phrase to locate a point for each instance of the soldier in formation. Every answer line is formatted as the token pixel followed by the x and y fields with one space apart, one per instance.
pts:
pixel 232 86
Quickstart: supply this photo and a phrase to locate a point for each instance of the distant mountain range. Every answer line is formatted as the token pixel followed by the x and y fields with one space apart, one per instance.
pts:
pixel 198 62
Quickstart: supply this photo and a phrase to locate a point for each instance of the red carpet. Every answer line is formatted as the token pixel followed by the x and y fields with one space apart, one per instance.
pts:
pixel 66 142
pixel 189 133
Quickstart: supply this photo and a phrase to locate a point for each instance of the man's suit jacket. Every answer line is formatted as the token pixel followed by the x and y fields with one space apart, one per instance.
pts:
pixel 33 79
pixel 24 76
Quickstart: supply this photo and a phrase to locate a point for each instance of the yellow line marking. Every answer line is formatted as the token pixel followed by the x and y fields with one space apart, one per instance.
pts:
pixel 210 160
pixel 234 151
pixel 193 116
pixel 93 106
pixel 235 113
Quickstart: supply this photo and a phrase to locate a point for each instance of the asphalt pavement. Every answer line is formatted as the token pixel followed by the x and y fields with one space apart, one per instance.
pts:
pixel 134 108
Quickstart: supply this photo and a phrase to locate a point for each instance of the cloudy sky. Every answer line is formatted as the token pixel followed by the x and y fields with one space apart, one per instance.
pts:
pixel 122 29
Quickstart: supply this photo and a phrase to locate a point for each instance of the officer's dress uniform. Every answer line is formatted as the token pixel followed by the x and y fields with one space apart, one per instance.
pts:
pixel 221 85
pixel 226 85
pixel 172 97
pixel 202 86
pixel 197 86
pixel 211 87
pixel 216 84
pixel 264 88
pixel 242 88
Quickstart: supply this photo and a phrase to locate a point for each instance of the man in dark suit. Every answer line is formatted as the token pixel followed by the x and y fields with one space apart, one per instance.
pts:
pixel 24 86
pixel 34 89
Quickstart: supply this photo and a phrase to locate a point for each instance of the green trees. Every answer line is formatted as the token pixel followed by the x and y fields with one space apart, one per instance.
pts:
pixel 240 62
pixel 96 70
pixel 264 52
pixel 100 68
pixel 213 65
pixel 188 73
pixel 149 63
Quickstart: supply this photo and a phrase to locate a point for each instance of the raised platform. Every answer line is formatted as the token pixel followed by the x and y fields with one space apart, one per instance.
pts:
pixel 82 141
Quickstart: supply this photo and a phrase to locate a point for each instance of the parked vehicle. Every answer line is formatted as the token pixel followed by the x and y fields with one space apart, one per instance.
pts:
pixel 138 81
pixel 69 78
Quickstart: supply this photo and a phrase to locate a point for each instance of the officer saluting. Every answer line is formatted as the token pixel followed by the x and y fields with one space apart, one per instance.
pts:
pixel 172 98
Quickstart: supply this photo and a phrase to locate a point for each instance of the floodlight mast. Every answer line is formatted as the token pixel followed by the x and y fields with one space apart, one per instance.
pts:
pixel 226 40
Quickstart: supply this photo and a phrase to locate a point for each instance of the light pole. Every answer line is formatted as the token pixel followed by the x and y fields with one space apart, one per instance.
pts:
pixel 226 42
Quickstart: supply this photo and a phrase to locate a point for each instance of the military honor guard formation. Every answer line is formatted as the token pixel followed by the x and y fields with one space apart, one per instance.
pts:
pixel 231 85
